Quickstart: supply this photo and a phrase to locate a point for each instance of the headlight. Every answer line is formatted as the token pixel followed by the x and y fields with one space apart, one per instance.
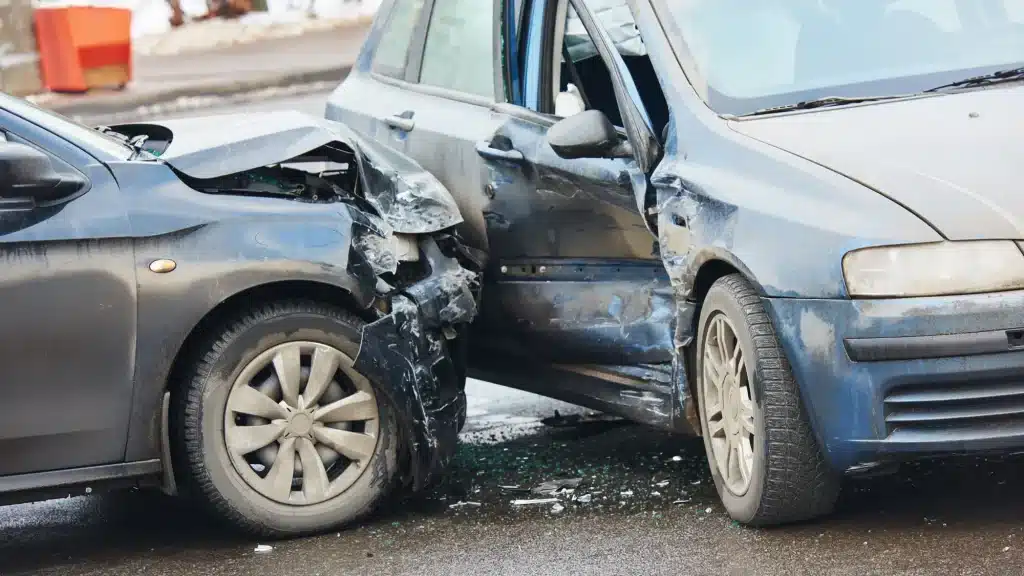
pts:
pixel 939 269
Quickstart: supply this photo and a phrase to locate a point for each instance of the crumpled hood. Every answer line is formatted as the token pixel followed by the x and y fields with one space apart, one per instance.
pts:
pixel 406 196
pixel 956 160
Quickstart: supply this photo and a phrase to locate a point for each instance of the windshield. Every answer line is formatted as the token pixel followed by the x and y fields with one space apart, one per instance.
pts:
pixel 756 54
pixel 92 140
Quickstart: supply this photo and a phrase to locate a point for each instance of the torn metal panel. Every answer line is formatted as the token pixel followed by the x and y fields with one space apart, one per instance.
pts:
pixel 244 153
pixel 407 353
pixel 585 312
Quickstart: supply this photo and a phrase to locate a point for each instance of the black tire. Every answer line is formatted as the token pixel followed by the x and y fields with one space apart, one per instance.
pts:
pixel 203 461
pixel 790 480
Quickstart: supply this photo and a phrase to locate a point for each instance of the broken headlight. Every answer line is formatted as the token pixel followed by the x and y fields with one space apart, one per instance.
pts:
pixel 935 269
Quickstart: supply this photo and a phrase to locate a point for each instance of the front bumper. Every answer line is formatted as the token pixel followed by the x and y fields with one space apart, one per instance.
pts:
pixel 407 353
pixel 887 380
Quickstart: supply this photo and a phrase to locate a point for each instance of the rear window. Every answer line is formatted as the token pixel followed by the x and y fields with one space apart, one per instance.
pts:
pixel 392 52
pixel 459 54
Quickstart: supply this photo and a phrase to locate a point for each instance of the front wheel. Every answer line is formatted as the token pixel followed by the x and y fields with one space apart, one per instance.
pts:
pixel 278 433
pixel 764 459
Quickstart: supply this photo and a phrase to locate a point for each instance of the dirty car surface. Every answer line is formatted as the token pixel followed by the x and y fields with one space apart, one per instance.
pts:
pixel 177 256
pixel 799 248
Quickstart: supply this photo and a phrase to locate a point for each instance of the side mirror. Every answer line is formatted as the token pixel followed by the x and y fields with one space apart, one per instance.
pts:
pixel 27 173
pixel 589 134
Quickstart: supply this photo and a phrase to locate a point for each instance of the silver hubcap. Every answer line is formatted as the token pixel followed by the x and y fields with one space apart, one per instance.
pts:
pixel 301 424
pixel 729 406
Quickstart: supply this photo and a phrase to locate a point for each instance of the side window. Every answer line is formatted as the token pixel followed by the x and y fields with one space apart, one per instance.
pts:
pixel 392 52
pixel 583 81
pixel 459 52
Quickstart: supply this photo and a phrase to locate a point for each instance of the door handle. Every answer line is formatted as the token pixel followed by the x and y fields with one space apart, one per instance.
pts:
pixel 399 122
pixel 485 150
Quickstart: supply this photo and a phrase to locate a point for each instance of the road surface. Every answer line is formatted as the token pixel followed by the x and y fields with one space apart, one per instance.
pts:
pixel 651 510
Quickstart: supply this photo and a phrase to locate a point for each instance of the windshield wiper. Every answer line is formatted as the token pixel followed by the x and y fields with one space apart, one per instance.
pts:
pixel 997 77
pixel 825 102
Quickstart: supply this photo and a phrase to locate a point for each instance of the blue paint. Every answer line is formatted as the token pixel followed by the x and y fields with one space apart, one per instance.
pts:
pixel 512 41
pixel 615 307
pixel 845 399
pixel 534 39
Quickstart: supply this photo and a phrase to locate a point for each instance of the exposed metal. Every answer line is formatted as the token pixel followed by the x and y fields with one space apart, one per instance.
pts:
pixel 313 212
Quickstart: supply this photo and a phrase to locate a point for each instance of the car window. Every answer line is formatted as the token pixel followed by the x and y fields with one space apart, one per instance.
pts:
pixel 616 18
pixel 583 81
pixel 393 48
pixel 757 54
pixel 459 53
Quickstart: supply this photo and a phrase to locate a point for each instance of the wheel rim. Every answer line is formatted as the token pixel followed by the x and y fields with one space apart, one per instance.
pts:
pixel 300 424
pixel 729 406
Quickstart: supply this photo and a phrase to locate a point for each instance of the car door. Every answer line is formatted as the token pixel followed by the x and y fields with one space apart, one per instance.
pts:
pixel 577 277
pixel 373 99
pixel 67 335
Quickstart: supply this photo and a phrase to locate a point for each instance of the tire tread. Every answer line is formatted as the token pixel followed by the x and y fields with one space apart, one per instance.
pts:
pixel 799 485
pixel 188 404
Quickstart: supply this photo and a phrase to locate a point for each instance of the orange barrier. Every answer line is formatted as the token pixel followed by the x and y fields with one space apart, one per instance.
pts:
pixel 84 47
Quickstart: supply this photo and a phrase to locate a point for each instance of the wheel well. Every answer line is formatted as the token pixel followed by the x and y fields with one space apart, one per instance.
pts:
pixel 236 304
pixel 707 275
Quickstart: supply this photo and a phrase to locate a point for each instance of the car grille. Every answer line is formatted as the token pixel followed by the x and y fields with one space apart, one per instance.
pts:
pixel 971 408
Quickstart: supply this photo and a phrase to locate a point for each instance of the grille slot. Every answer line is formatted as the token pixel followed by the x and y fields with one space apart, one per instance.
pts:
pixel 962 407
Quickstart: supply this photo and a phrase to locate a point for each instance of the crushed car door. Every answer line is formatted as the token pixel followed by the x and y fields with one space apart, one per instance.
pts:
pixel 576 281
pixel 67 339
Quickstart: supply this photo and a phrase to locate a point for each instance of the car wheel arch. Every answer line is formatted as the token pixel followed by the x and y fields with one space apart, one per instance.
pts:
pixel 710 265
pixel 292 289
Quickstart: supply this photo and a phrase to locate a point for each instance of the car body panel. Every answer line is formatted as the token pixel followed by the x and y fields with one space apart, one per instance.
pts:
pixel 779 199
pixel 955 402
pixel 407 197
pixel 229 244
pixel 953 147
pixel 68 334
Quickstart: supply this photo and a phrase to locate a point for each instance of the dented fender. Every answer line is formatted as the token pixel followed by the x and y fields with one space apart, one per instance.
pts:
pixel 407 197
pixel 407 353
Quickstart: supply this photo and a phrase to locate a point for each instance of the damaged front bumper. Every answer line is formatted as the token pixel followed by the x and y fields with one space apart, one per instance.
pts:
pixel 892 380
pixel 408 353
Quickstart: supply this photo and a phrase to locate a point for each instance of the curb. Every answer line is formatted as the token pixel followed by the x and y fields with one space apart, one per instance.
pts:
pixel 122 102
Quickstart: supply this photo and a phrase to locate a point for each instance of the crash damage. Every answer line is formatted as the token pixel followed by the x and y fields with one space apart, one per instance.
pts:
pixel 425 281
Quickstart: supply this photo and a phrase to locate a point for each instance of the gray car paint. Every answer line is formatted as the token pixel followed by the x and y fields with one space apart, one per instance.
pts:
pixel 409 198
pixel 948 158
pixel 80 273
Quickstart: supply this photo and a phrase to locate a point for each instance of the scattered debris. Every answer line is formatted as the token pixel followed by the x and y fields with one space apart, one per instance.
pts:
pixel 534 501
pixel 677 459
pixel 584 499
pixel 464 504
pixel 569 420
pixel 263 549
pixel 661 484
pixel 1006 549
pixel 626 493
pixel 557 508
pixel 656 494
pixel 683 501
pixel 707 511
pixel 553 487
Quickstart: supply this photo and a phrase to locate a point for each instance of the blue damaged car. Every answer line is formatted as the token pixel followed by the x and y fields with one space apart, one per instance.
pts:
pixel 790 227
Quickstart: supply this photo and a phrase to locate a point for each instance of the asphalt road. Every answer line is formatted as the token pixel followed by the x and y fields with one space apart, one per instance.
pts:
pixel 651 510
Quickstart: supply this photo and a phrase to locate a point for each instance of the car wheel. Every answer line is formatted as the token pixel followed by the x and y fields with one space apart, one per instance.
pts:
pixel 764 458
pixel 278 433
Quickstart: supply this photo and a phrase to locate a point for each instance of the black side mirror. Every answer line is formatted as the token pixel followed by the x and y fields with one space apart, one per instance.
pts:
pixel 26 173
pixel 589 134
